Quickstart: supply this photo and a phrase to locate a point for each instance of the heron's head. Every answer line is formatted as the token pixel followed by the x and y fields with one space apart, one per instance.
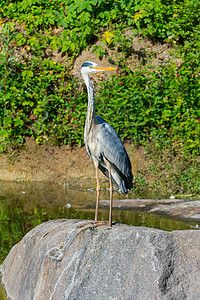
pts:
pixel 91 67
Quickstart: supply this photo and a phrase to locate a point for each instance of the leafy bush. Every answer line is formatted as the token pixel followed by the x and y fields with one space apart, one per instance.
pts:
pixel 157 106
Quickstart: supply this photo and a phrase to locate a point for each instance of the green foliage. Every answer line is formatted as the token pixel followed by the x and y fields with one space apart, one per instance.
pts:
pixel 163 19
pixel 169 171
pixel 157 106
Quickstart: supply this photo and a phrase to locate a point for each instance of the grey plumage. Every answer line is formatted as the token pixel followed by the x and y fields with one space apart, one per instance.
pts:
pixel 110 147
pixel 103 144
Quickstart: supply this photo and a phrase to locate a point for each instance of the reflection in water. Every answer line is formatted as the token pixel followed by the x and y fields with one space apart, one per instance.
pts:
pixel 2 293
pixel 26 205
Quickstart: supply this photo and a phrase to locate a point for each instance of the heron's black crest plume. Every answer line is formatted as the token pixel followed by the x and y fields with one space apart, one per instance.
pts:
pixel 86 64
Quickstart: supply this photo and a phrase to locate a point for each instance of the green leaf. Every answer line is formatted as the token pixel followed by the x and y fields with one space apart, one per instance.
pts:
pixel 18 122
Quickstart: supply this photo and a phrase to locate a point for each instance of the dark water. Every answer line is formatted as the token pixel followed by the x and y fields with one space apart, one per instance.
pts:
pixel 26 205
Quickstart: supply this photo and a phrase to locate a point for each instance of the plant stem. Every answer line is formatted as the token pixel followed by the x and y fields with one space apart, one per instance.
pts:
pixel 6 68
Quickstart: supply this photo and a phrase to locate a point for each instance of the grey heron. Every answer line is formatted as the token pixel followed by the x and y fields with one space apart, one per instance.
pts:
pixel 104 146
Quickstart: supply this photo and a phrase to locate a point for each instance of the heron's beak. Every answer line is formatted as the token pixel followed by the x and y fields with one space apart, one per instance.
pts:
pixel 105 68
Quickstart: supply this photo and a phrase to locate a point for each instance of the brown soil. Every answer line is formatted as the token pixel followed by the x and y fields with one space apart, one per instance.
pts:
pixel 55 164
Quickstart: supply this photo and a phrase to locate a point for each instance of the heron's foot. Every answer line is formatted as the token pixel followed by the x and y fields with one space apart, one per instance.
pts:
pixel 95 224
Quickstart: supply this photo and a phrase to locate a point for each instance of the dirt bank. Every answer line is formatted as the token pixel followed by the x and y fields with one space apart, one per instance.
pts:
pixel 53 163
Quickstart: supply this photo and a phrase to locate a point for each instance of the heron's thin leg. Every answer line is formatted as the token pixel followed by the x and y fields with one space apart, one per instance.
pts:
pixel 96 223
pixel 111 195
pixel 98 194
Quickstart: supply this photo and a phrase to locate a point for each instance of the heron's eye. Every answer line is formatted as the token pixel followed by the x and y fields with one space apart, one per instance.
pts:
pixel 90 67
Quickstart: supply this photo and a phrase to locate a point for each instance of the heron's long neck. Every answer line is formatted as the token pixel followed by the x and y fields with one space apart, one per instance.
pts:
pixel 91 104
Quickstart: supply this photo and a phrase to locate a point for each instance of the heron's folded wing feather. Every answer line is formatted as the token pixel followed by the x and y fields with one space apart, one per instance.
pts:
pixel 112 148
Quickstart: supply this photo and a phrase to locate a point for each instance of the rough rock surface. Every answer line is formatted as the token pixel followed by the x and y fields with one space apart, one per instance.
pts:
pixel 56 260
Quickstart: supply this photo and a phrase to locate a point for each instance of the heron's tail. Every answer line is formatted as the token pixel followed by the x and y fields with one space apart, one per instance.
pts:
pixel 126 183
pixel 123 182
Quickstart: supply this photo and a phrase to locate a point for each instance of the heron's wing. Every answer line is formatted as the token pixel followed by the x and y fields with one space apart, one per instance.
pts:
pixel 110 147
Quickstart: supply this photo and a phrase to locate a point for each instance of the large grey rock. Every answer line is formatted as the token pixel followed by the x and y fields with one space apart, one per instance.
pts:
pixel 57 261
